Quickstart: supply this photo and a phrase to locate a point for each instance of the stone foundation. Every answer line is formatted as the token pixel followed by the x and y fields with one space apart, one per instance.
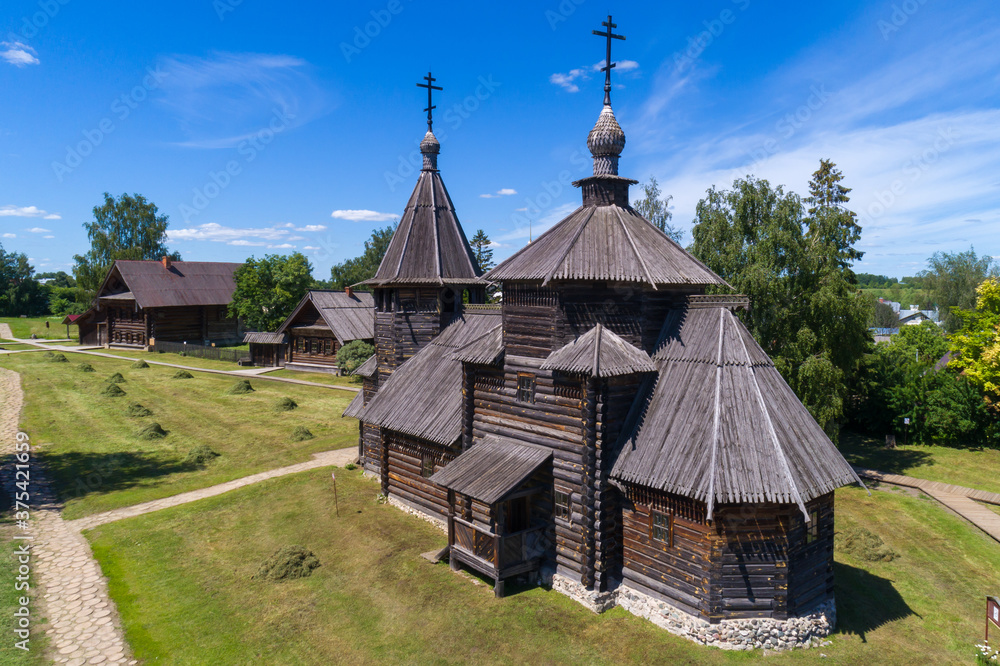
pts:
pixel 805 631
pixel 595 601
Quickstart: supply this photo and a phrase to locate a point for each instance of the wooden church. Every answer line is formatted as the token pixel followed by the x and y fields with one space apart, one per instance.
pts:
pixel 609 426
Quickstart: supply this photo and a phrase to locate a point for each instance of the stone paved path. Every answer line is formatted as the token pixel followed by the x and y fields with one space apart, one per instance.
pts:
pixel 5 332
pixel 957 498
pixel 82 622
pixel 337 458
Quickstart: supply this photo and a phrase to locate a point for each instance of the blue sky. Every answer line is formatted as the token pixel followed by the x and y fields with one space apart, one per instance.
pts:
pixel 263 128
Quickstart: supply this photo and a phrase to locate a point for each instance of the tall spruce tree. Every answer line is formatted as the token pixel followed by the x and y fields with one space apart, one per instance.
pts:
pixel 482 250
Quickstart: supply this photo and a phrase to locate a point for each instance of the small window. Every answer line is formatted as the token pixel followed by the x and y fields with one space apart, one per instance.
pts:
pixel 812 529
pixel 661 528
pixel 525 388
pixel 427 466
pixel 562 504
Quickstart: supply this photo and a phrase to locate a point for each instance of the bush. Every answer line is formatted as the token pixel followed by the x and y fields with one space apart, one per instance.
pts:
pixel 285 405
pixel 137 411
pixel 241 387
pixel 350 466
pixel 116 378
pixel 113 391
pixel 85 367
pixel 200 456
pixel 140 365
pixel 287 563
pixel 183 374
pixel 301 434
pixel 353 354
pixel 866 545
pixel 151 432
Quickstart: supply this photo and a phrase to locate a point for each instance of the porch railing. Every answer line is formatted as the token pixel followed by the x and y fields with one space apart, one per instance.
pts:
pixel 514 548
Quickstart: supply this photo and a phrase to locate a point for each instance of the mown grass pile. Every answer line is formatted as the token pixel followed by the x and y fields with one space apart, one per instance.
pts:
pixel 287 563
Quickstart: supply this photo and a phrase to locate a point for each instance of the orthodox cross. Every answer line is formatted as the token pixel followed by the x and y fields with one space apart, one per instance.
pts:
pixel 608 65
pixel 430 88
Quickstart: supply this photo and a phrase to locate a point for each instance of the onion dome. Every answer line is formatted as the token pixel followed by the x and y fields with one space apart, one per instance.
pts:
pixel 430 148
pixel 606 142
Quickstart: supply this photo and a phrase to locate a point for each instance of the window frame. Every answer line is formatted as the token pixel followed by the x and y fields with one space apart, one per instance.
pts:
pixel 426 459
pixel 812 528
pixel 665 530
pixel 525 395
pixel 560 508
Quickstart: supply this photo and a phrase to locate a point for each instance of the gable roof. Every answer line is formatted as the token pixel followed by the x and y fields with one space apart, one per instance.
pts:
pixel 599 353
pixel 429 245
pixel 264 338
pixel 485 350
pixel 349 317
pixel 492 468
pixel 605 243
pixel 368 368
pixel 720 424
pixel 423 397
pixel 152 285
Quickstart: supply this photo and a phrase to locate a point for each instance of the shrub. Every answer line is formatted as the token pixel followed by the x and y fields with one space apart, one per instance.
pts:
pixel 241 387
pixel 113 391
pixel 200 456
pixel 353 354
pixel 151 432
pixel 183 374
pixel 301 434
pixel 866 545
pixel 85 367
pixel 350 466
pixel 136 411
pixel 116 378
pixel 285 404
pixel 287 563
pixel 140 365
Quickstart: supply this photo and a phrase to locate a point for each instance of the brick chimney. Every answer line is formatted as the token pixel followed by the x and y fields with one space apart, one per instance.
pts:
pixel 349 292
pixel 166 262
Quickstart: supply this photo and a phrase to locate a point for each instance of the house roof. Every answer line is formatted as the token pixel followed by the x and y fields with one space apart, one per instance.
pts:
pixel 492 468
pixel 423 397
pixel 368 368
pixel 349 317
pixel 605 243
pixel 71 319
pixel 599 353
pixel 356 407
pixel 485 350
pixel 264 338
pixel 152 285
pixel 720 424
pixel 429 245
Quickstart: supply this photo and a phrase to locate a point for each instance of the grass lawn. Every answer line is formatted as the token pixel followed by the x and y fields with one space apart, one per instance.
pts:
pixel 964 467
pixel 93 453
pixel 318 377
pixel 23 328
pixel 182 581
pixel 176 359
pixel 12 346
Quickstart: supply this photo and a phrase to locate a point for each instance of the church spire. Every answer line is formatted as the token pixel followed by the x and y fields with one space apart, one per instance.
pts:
pixel 607 140
pixel 430 147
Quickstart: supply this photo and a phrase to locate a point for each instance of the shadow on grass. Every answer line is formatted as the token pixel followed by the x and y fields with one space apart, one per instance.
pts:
pixel 78 474
pixel 871 453
pixel 865 602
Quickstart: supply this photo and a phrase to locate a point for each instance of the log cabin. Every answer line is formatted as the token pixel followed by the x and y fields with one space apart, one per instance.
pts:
pixel 611 428
pixel 322 323
pixel 176 301
pixel 267 350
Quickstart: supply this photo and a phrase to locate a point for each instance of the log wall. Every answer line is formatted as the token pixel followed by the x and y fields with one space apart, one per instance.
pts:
pixel 127 326
pixel 404 472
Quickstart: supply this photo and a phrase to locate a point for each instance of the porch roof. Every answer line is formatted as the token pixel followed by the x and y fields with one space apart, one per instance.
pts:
pixel 492 469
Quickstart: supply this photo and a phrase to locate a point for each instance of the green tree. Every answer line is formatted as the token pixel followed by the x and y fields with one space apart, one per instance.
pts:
pixel 268 289
pixel 20 293
pixel 124 228
pixel 656 208
pixel 806 312
pixel 353 354
pixel 359 269
pixel 482 249
pixel 885 316
pixel 832 229
pixel 976 345
pixel 952 279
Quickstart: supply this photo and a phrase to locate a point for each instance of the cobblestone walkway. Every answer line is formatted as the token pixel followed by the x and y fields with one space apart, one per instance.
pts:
pixel 337 458
pixel 82 621
pixel 957 498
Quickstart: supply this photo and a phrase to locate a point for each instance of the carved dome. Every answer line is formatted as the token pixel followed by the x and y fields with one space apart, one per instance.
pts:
pixel 606 142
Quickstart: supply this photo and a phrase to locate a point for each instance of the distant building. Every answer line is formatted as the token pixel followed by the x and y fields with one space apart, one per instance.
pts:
pixel 322 323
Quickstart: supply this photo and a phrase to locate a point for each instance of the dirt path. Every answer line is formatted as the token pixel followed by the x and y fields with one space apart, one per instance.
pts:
pixel 337 458
pixel 5 332
pixel 82 622
pixel 957 498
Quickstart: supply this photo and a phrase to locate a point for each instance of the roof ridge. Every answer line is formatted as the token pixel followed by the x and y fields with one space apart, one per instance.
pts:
pixel 569 246
pixel 715 424
pixel 597 351
pixel 436 234
pixel 770 428
pixel 635 250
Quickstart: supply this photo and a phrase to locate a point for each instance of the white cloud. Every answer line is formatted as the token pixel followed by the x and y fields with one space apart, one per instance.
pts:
pixel 568 81
pixel 38 230
pixel 310 247
pixel 362 215
pixel 230 235
pixel 48 236
pixel 283 246
pixel 503 192
pixel 312 228
pixel 27 211
pixel 18 54
pixel 9 236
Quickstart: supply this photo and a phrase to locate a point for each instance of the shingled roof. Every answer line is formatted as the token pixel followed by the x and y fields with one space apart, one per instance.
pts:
pixel 485 350
pixel 423 397
pixel 492 468
pixel 599 353
pixel 349 316
pixel 151 284
pixel 368 368
pixel 721 425
pixel 605 243
pixel 429 246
